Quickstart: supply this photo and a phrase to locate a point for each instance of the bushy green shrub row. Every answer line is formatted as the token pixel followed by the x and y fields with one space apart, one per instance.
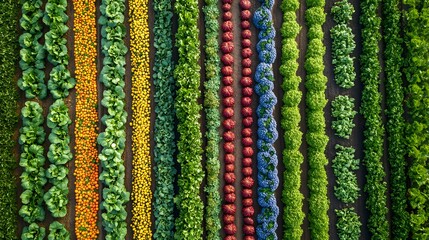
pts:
pixel 292 197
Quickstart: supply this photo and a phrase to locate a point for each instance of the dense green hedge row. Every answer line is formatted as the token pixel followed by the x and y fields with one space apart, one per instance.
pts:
pixel 371 110
pixel 316 134
pixel 112 140
pixel 189 144
pixel 8 118
pixel 211 105
pixel 292 197
pixel 395 117
pixel 417 74
pixel 164 147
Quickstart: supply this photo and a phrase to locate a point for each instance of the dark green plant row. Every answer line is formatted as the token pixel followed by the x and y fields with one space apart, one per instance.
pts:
pixel 164 136
pixel 395 117
pixel 316 136
pixel 292 197
pixel 374 130
pixel 112 140
pixel 417 139
pixel 189 144
pixel 211 105
pixel 8 118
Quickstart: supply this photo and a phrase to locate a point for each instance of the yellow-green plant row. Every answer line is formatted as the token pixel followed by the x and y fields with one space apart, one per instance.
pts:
pixel 293 215
pixel 189 144
pixel 316 134
pixel 141 194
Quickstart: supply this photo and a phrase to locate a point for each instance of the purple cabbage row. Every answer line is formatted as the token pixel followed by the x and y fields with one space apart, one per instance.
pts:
pixel 268 180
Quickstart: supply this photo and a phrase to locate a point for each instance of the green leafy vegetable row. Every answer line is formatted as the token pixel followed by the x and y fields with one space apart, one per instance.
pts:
pixel 189 144
pixel 395 117
pixel 58 120
pixel 8 118
pixel 344 113
pixel 292 197
pixel 32 160
pixel 374 131
pixel 165 146
pixel 112 140
pixel 316 136
pixel 32 52
pixel 348 224
pixel 59 154
pixel 211 104
pixel 417 140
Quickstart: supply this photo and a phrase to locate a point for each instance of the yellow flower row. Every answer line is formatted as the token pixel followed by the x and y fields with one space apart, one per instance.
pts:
pixel 86 156
pixel 141 194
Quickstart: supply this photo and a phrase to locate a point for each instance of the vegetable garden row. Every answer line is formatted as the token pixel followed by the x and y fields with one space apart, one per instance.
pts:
pixel 155 119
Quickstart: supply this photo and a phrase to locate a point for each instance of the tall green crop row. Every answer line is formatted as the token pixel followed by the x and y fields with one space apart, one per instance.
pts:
pixel 165 146
pixel 189 144
pixel 316 136
pixel 8 118
pixel 112 140
pixel 395 117
pixel 417 74
pixel 293 214
pixel 211 104
pixel 371 110
pixel 344 164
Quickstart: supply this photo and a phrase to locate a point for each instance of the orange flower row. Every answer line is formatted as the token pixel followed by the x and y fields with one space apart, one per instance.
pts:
pixel 86 156
pixel 141 194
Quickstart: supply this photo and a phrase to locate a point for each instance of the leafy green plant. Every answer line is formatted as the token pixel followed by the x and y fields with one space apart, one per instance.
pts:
pixel 33 232
pixel 374 131
pixel 57 231
pixel 316 136
pixel 343 110
pixel 211 106
pixel 189 143
pixel 348 224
